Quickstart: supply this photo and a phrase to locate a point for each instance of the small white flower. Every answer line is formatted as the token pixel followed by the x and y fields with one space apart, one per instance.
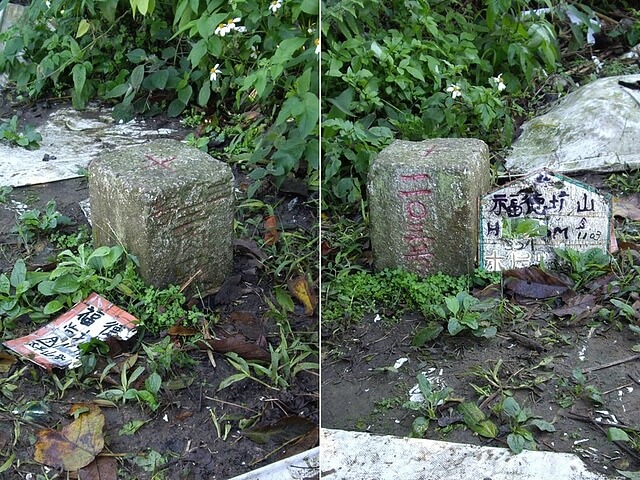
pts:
pixel 596 61
pixel 231 24
pixel 275 6
pixel 317 42
pixel 241 29
pixel 499 82
pixel 48 4
pixel 222 30
pixel 214 72
pixel 254 52
pixel 454 90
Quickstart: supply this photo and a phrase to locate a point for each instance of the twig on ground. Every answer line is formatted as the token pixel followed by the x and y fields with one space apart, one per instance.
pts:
pixel 611 364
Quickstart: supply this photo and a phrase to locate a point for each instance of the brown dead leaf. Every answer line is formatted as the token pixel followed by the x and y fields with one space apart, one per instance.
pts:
pixel 6 361
pixel 238 344
pixel 250 246
pixel 304 443
pixel 76 445
pixel 282 431
pixel 532 282
pixel 271 234
pixel 577 307
pixel 247 324
pixel 299 288
pixel 627 207
pixel 182 331
pixel 102 468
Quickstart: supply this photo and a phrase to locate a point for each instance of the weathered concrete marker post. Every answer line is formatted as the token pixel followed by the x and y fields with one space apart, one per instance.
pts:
pixel 423 201
pixel 169 204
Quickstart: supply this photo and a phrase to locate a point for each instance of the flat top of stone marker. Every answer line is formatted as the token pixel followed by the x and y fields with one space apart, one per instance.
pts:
pixel 446 154
pixel 159 161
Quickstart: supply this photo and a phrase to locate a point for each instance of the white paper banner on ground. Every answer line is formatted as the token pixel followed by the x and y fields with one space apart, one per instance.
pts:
pixel 522 222
pixel 56 344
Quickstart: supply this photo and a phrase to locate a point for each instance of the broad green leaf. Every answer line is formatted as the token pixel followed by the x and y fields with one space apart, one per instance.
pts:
pixel 176 107
pixel 419 427
pixel 204 94
pixel 52 307
pixel 118 91
pixel 485 428
pixel 615 434
pixel 153 383
pixel 137 55
pixel 22 287
pixel 231 379
pixel 132 427
pixel 19 273
pixel 79 73
pixel 452 304
pixel 198 51
pixel 66 284
pixel 543 425
pixel 83 27
pixel 516 442
pixel 454 326
pixel 137 76
pixel 427 334
pixel 184 94
pixel 5 284
pixel 510 407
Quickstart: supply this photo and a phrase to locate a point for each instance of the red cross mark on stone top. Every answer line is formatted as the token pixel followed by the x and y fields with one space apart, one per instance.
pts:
pixel 160 163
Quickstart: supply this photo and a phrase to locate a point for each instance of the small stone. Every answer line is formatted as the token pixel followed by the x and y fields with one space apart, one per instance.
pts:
pixel 423 200
pixel 169 204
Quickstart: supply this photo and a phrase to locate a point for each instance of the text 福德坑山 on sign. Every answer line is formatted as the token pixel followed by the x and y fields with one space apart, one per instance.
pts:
pixel 523 222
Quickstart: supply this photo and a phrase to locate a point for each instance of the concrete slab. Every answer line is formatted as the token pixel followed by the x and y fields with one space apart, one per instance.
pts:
pixel 363 456
pixel 594 128
pixel 70 140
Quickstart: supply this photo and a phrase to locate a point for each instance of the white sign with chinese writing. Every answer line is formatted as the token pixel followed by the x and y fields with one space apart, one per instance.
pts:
pixel 56 344
pixel 522 223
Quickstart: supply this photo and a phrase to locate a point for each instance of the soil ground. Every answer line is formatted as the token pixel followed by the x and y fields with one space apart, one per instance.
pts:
pixel 180 437
pixel 361 392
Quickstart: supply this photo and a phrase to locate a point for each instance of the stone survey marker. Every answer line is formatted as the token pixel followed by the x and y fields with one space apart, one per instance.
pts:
pixel 423 204
pixel 524 221
pixel 169 204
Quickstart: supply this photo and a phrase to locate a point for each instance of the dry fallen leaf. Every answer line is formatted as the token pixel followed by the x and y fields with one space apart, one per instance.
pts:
pixel 532 282
pixel 281 431
pixel 271 234
pixel 6 361
pixel 102 468
pixel 76 445
pixel 626 207
pixel 299 288
pixel 238 344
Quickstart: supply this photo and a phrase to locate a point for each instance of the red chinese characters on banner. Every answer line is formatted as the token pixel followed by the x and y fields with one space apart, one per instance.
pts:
pixel 418 253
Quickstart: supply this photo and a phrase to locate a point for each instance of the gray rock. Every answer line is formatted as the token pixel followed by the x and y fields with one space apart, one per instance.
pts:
pixel 594 128
pixel 169 204
pixel 423 200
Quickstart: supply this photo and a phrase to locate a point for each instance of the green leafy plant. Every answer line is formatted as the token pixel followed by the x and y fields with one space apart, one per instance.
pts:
pixel 287 360
pixel 521 419
pixel 28 137
pixel 436 69
pixel 523 228
pixel 465 312
pixel 224 59
pixel 33 223
pixel 433 398
pixel 4 193
pixel 126 391
pixel 583 267
pixel 578 388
